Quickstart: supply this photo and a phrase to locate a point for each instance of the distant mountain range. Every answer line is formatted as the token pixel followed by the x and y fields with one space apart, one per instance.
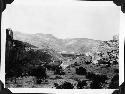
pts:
pixel 68 46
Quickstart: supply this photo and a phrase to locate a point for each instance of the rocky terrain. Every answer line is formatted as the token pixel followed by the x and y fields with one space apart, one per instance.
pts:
pixel 44 61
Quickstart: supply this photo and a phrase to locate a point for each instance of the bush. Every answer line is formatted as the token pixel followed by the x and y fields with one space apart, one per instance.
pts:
pixel 114 82
pixel 81 71
pixel 81 84
pixel 39 72
pixel 97 80
pixel 95 85
pixel 65 85
pixel 59 71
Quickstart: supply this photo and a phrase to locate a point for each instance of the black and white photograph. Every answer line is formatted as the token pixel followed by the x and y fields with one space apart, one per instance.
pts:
pixel 61 45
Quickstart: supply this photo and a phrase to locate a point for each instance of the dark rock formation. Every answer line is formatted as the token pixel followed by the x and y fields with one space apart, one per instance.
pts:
pixel 9 47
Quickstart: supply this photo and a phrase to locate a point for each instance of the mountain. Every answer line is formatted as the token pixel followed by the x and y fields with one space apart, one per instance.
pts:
pixel 40 40
pixel 81 45
pixel 68 46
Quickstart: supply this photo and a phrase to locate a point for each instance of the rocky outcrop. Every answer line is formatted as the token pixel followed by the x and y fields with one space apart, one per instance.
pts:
pixel 9 47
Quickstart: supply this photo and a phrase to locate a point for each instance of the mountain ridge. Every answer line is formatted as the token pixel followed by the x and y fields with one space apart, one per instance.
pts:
pixel 70 45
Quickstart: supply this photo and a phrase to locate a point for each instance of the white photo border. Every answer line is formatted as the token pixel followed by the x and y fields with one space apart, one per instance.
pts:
pixel 71 91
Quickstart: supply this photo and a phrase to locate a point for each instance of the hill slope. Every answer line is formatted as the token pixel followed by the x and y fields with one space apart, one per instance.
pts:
pixel 74 45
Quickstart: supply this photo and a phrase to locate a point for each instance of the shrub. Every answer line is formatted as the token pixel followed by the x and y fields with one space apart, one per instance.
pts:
pixel 65 85
pixel 81 84
pixel 39 73
pixel 114 82
pixel 81 71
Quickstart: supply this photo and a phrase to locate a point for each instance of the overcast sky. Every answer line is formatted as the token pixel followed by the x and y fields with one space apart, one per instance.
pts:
pixel 63 20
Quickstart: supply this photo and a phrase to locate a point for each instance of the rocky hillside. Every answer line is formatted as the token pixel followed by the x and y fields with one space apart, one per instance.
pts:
pixel 69 46
pixel 42 60
pixel 78 46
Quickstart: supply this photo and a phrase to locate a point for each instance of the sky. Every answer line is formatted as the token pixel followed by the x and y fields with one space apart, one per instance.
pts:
pixel 63 20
